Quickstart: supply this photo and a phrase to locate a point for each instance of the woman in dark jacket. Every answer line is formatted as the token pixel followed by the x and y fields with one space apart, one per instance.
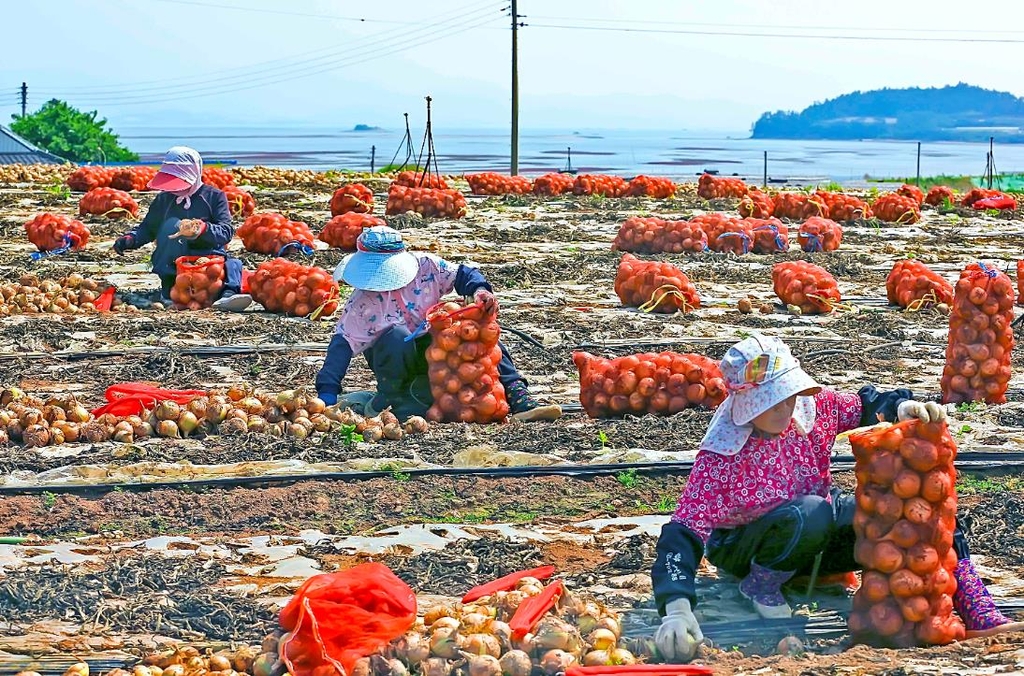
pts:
pixel 187 218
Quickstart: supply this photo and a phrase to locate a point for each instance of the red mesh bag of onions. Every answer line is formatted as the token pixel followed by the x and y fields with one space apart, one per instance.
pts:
pixel 335 619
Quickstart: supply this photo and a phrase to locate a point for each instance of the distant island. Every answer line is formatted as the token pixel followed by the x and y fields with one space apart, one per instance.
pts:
pixel 365 127
pixel 952 113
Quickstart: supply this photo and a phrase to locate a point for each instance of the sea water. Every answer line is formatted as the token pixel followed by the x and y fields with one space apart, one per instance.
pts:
pixel 674 153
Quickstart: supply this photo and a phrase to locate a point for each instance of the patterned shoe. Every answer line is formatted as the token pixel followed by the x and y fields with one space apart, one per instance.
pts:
pixel 763 587
pixel 525 408
pixel 975 606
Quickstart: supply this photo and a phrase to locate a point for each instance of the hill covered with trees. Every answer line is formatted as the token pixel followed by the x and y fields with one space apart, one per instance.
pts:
pixel 952 113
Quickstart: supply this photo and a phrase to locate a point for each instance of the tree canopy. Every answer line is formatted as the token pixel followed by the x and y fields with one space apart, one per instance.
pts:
pixel 67 132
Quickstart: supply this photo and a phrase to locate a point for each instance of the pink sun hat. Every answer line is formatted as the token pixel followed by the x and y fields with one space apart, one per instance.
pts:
pixel 181 170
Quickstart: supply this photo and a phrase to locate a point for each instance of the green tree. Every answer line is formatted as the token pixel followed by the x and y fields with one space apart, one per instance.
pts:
pixel 69 133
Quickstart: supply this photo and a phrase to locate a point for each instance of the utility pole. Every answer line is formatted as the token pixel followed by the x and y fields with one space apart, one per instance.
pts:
pixel 24 97
pixel 515 90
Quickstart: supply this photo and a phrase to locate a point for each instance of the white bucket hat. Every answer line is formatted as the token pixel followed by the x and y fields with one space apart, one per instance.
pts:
pixel 380 262
pixel 759 373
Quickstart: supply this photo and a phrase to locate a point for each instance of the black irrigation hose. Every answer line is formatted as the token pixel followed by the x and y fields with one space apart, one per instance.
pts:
pixel 980 460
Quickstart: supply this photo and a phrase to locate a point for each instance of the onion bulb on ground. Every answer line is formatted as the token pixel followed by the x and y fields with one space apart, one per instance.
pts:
pixel 412 648
pixel 621 656
pixel 372 434
pixel 393 431
pixel 445 622
pixel 361 667
pixel 481 644
pixel 602 639
pixel 516 663
pixel 414 424
pixel 556 662
pixel 435 666
pixel 553 633
pixel 596 658
pixel 444 642
pixel 482 665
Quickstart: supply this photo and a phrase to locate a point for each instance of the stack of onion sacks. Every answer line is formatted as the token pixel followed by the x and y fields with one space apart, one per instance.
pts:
pixel 712 187
pixel 550 185
pixel 341 232
pixel 806 286
pixel 463 365
pixel 108 202
pixel 600 184
pixel 352 198
pixel 654 286
pixel 660 384
pixel 651 186
pixel 980 337
pixel 427 202
pixel 904 522
pixel 286 287
pixel 656 235
pixel 912 282
pixel 493 183
pixel 49 231
pixel 91 177
pixel 268 233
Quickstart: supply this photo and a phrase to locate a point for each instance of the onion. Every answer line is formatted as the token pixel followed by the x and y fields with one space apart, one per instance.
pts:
pixel 251 405
pixel 388 418
pixel 168 428
pixel 436 613
pixel 219 663
pixel 621 656
pixel 244 657
pixel 508 602
pixel 516 663
pixel 179 670
pixel 527 643
pixel 124 432
pixel 270 644
pixel 285 400
pixel 531 589
pixel 523 581
pixel 216 412
pixel 95 433
pixel 68 429
pixel 198 406
pixel 474 622
pixel 644 648
pixel 444 643
pixel 267 664
pixel 315 405
pixel 445 622
pixel 236 392
pixel 361 667
pixel 187 423
pixel 596 658
pixel 602 639
pixel 35 436
pixel 393 431
pixel 31 416
pixel 553 633
pixel 298 431
pixel 372 434
pixel 349 417
pixel 256 424
pixel 481 644
pixel 273 414
pixel 167 410
pixel 10 394
pixel 435 666
pixel 52 414
pixel 239 413
pixel 56 436
pixel 144 431
pixel 483 665
pixel 321 423
pixel 233 426
pixel 501 630
pixel 416 425
pixel 411 648
pixel 556 662
pixel 396 668
pixel 611 624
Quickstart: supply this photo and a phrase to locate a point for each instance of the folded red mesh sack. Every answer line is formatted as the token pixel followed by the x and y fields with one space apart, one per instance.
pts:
pixel 335 619
pixel 135 398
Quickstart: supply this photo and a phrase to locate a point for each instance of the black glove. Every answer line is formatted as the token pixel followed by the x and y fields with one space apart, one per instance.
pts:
pixel 673 575
pixel 122 244
pixel 878 406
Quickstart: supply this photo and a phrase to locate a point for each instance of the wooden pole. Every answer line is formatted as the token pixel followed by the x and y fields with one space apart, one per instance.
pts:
pixel 514 170
pixel 918 164
pixel 766 169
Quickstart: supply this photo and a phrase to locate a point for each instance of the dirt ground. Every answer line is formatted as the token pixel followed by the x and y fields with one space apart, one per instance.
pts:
pixel 136 568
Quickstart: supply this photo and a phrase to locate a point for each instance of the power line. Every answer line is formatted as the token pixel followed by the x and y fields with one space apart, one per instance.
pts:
pixel 873 29
pixel 264 67
pixel 793 36
pixel 204 92
pixel 283 12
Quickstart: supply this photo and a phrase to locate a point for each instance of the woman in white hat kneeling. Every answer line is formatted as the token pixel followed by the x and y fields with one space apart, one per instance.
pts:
pixel 759 501
pixel 393 290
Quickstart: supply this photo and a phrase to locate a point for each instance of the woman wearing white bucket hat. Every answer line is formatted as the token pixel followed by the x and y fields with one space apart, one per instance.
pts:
pixel 759 502
pixel 394 288
pixel 187 218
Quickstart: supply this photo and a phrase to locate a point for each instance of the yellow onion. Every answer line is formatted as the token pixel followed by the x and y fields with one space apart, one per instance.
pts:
pixel 528 580
pixel 501 630
pixel 437 612
pixel 270 644
pixel 444 642
pixel 52 414
pixel 216 412
pixel 31 416
pixel 285 400
pixel 168 428
pixel 188 423
pixel 372 434
pixel 596 658
pixel 142 430
pixel 239 413
pixel 35 436
pixel 622 656
pixel 95 433
pixel 56 436
pixel 393 431
pixel 236 393
pixel 79 669
pixel 256 424
pixel 198 407
pixel 388 418
pixel 644 647
pixel 219 663
pixel 174 670
pixel 555 633
pixel 531 589
pixel 414 424
pixel 233 426
pixel 167 410
pixel 602 639
pixel 14 430
pixel 361 667
pixel 298 431
pixel 349 417
pixel 321 423
pixel 435 666
pixel 508 602
pixel 481 644
pixel 124 432
pixel 445 622
pixel 274 414
pixel 267 664
pixel 556 662
pixel 251 405
pixel 315 405
pixel 516 663
pixel 244 657
pixel 412 648
pixel 527 643
pixel 611 624
pixel 483 665
pixel 9 394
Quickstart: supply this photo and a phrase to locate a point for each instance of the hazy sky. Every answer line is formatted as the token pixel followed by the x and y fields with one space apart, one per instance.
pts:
pixel 196 63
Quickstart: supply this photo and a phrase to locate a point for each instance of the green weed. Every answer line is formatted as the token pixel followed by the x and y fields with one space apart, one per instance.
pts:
pixel 348 434
pixel 969 407
pixel 49 500
pixel 628 478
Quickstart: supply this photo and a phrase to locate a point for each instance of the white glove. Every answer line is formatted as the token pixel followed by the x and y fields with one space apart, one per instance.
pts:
pixel 926 412
pixel 679 634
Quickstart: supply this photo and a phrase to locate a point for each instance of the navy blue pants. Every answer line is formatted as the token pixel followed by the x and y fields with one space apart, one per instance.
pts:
pixel 169 250
pixel 401 370
pixel 791 536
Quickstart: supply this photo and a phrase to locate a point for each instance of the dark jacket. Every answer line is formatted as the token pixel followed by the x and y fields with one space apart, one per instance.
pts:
pixel 208 204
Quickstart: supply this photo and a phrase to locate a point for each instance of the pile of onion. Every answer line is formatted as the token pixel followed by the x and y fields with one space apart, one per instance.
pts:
pixel 73 294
